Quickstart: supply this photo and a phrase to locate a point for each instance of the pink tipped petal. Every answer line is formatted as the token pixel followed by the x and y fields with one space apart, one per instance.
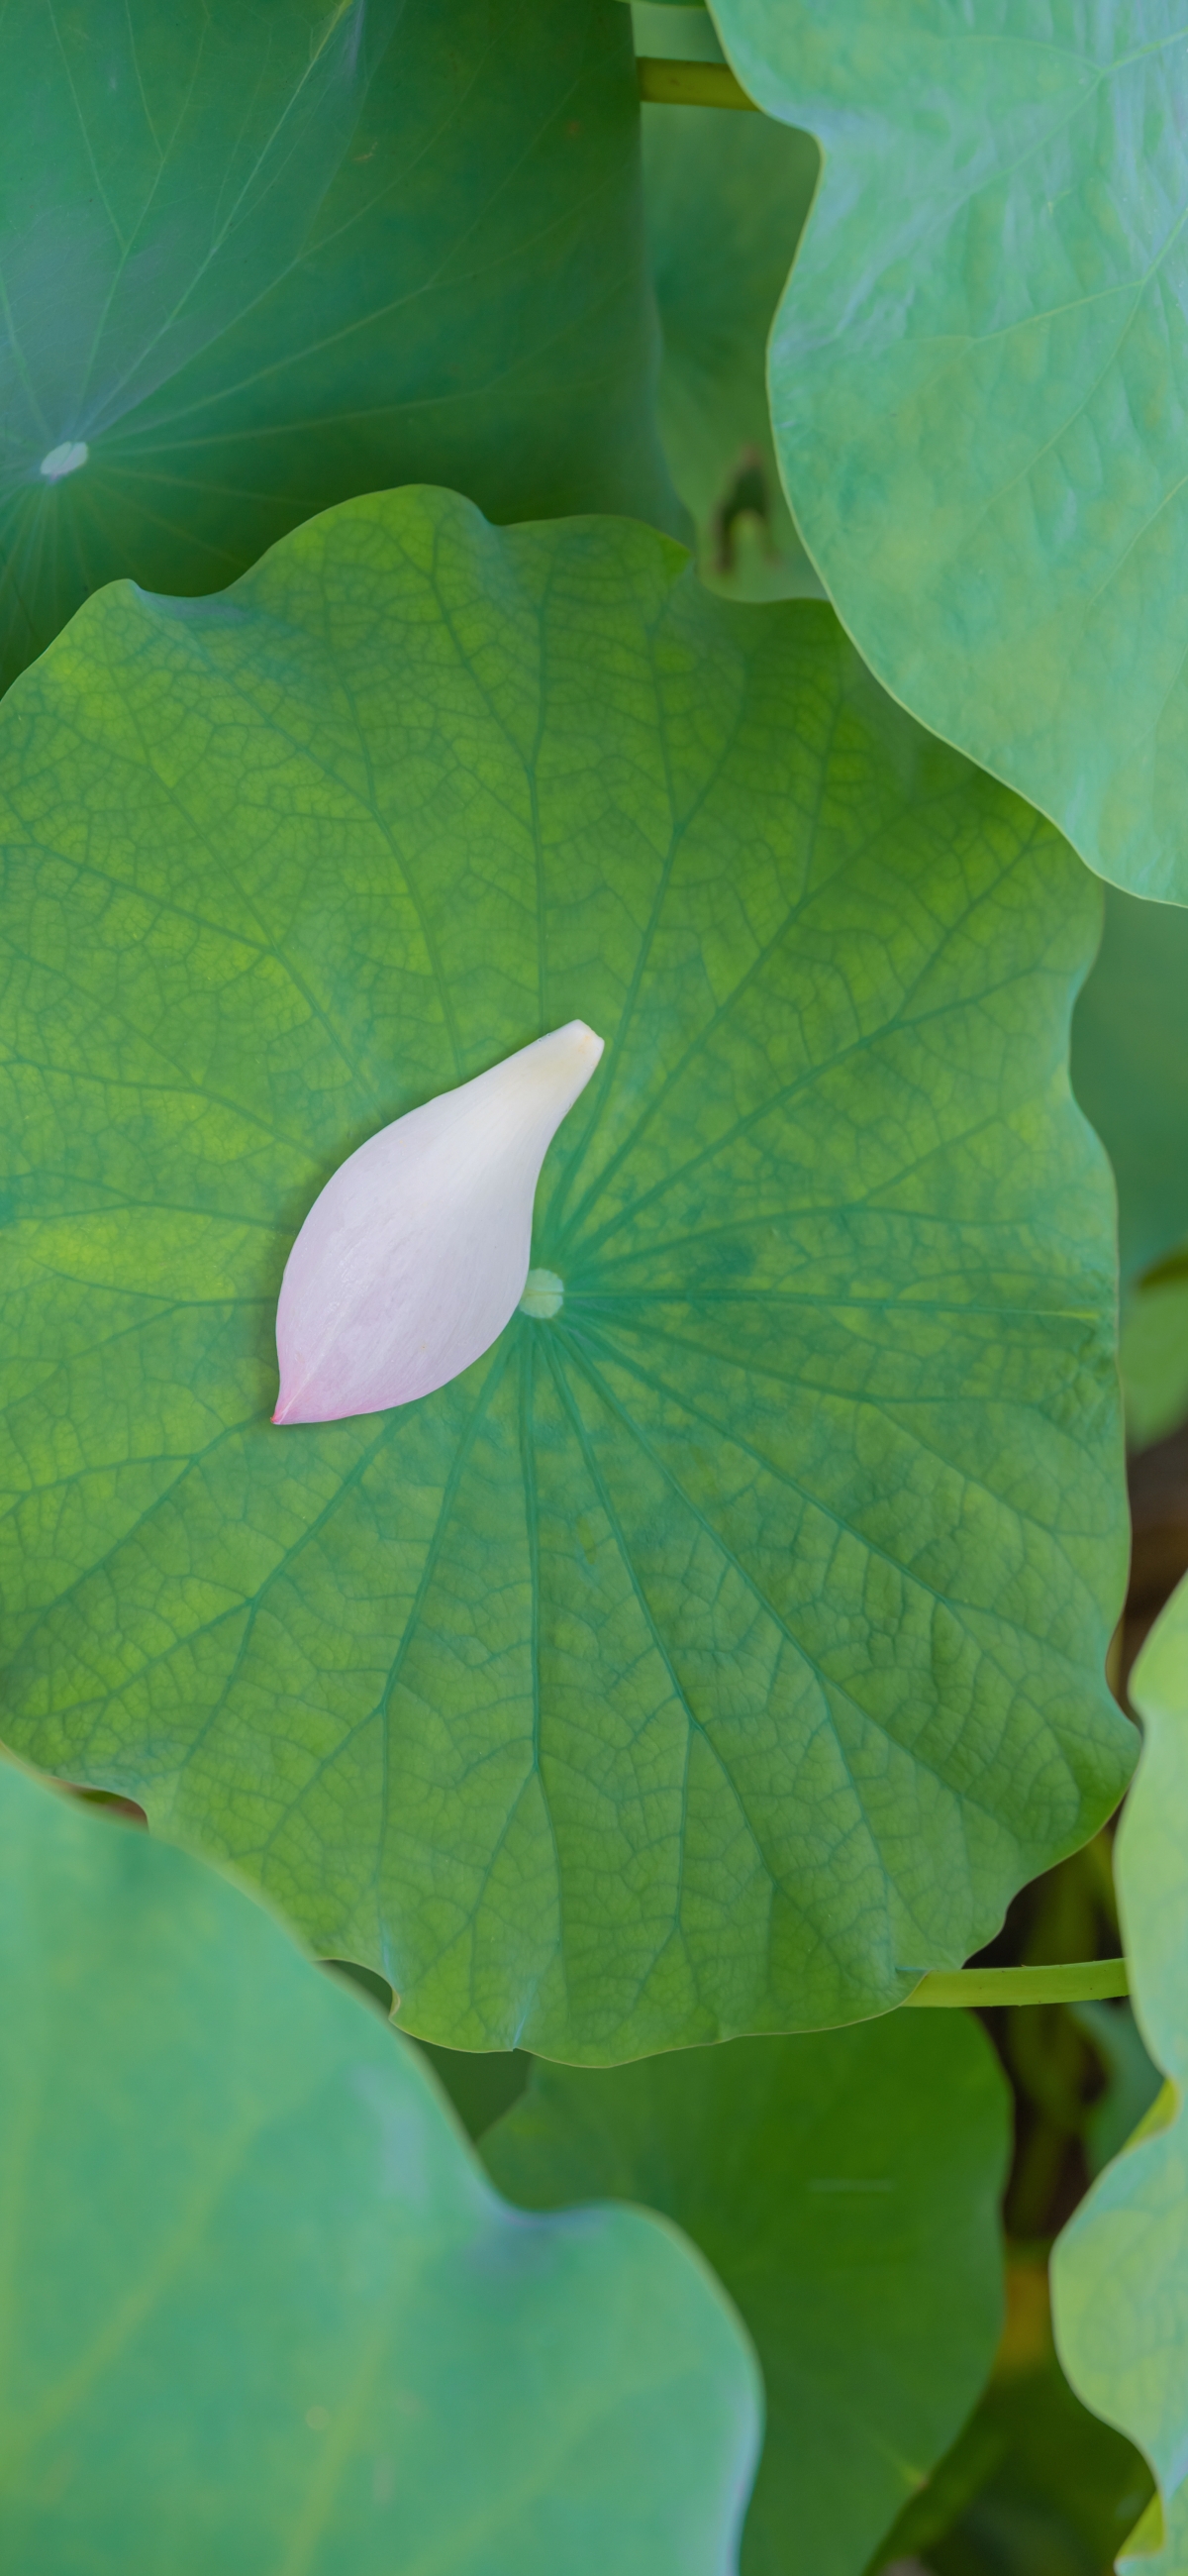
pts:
pixel 415 1255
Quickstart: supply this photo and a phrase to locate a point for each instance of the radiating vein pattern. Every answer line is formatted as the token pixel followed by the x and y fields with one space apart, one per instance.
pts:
pixel 723 1648
pixel 260 255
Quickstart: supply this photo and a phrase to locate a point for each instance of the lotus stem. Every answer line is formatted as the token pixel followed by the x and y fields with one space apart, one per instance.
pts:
pixel 1075 1982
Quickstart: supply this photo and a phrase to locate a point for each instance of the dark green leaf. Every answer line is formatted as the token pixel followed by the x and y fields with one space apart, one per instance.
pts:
pixel 845 2189
pixel 726 198
pixel 482 2085
pixel 1130 1074
pixel 723 1652
pixel 1130 1070
pixel 254 260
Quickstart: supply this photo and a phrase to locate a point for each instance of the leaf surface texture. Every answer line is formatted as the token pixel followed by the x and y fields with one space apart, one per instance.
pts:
pixel 263 2311
pixel 978 382
pixel 721 1652
pixel 845 2188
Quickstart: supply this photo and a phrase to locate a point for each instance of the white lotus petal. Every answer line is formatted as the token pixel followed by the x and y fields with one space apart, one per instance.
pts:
pixel 415 1255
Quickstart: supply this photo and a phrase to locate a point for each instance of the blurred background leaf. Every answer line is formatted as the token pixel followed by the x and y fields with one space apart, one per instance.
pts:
pixel 1130 1074
pixel 1130 1070
pixel 262 2308
pixel 1035 2485
pixel 722 1653
pixel 727 195
pixel 257 259
pixel 845 2189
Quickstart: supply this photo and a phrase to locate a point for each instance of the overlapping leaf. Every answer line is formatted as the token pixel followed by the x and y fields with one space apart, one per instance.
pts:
pixel 255 259
pixel 722 1652
pixel 1121 2267
pixel 1154 1352
pixel 845 2189
pixel 261 2309
pixel 979 382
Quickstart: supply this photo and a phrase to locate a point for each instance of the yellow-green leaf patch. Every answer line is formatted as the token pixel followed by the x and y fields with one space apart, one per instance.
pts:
pixel 255 259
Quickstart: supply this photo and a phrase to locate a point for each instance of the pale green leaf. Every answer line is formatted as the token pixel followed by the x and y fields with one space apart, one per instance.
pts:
pixel 1121 2266
pixel 254 260
pixel 1130 1074
pixel 979 382
pixel 845 2189
pixel 262 2312
pixel 722 1652
pixel 482 2084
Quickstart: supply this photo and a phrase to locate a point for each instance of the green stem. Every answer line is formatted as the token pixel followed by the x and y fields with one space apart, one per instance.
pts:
pixel 1077 1981
pixel 674 84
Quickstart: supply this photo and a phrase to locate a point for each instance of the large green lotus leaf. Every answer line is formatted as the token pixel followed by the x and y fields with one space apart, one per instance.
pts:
pixel 979 382
pixel 1121 2267
pixel 253 260
pixel 262 2310
pixel 845 2189
pixel 723 1652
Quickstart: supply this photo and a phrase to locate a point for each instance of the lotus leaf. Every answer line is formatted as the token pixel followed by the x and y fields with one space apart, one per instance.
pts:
pixel 845 2188
pixel 262 2309
pixel 721 1651
pixel 255 259
pixel 979 382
